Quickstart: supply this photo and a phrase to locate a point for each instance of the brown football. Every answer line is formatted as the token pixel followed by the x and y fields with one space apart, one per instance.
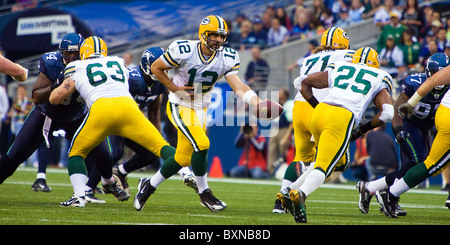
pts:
pixel 268 110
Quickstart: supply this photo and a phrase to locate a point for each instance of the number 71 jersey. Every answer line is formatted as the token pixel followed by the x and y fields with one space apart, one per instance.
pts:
pixel 191 68
pixel 354 86
pixel 104 77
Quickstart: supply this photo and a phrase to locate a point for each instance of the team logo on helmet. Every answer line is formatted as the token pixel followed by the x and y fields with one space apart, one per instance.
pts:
pixel 205 21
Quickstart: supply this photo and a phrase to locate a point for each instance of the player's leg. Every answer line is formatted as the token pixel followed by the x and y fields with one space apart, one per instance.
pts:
pixel 26 142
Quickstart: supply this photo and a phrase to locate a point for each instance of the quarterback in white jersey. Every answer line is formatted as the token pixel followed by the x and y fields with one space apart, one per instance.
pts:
pixel 197 66
pixel 192 69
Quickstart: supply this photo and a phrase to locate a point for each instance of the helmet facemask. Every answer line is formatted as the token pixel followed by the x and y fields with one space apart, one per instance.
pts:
pixel 213 45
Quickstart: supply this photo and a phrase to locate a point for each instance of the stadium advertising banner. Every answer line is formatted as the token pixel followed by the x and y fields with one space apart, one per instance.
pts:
pixel 38 31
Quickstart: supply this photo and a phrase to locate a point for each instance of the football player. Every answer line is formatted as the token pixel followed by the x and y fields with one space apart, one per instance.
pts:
pixel 197 66
pixel 146 91
pixel 353 87
pixel 16 71
pixel 45 118
pixel 439 155
pixel 411 133
pixel 102 82
pixel 334 47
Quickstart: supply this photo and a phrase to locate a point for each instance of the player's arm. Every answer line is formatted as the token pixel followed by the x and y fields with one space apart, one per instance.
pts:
pixel 305 83
pixel 397 120
pixel 159 70
pixel 59 94
pixel 154 112
pixel 41 89
pixel 243 91
pixel 382 101
pixel 12 69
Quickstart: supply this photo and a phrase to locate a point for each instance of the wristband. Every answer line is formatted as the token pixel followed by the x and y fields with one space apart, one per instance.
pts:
pixel 366 127
pixel 414 99
pixel 313 101
pixel 248 96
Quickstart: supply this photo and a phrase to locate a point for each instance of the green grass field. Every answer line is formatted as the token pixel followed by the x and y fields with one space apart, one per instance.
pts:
pixel 250 202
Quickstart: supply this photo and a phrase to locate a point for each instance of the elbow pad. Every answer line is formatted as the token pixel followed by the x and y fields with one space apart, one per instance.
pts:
pixel 388 113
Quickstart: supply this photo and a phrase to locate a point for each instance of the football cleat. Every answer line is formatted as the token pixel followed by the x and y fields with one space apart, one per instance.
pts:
pixel 144 192
pixel 387 202
pixel 189 181
pixel 278 208
pixel 90 198
pixel 121 180
pixel 285 200
pixel 120 194
pixel 298 203
pixel 364 197
pixel 207 199
pixel 74 201
pixel 41 185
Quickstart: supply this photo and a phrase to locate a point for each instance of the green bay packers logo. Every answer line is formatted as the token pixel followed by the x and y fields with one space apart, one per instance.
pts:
pixel 205 21
pixel 345 35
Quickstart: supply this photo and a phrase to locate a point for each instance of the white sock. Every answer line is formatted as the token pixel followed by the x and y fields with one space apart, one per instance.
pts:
pixel 202 183
pixel 78 183
pixel 299 181
pixel 41 176
pixel 122 169
pixel 376 185
pixel 108 181
pixel 184 171
pixel 312 182
pixel 157 179
pixel 399 187
pixel 285 183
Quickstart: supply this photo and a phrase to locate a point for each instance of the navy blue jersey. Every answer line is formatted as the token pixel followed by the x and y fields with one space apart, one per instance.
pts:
pixel 141 92
pixel 425 110
pixel 51 64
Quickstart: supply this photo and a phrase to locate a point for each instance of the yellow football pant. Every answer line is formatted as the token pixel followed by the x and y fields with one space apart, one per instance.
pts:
pixel 439 155
pixel 191 126
pixel 332 128
pixel 116 116
pixel 305 147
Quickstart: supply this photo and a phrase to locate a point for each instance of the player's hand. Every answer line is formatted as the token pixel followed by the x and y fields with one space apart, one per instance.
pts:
pixel 401 137
pixel 185 93
pixel 405 110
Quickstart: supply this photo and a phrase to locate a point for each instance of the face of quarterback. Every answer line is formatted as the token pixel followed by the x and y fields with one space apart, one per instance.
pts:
pixel 215 40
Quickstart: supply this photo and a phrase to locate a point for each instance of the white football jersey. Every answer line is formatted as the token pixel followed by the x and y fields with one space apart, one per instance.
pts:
pixel 446 100
pixel 191 68
pixel 318 62
pixel 104 77
pixel 354 86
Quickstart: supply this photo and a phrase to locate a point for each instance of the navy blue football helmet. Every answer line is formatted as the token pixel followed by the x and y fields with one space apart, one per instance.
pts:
pixel 70 47
pixel 435 63
pixel 148 57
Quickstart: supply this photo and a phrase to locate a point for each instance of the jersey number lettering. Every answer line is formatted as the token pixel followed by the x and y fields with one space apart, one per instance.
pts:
pixel 206 84
pixel 98 77
pixel 341 83
pixel 311 62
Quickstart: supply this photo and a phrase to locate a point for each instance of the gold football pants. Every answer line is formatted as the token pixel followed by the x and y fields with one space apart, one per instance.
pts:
pixel 116 116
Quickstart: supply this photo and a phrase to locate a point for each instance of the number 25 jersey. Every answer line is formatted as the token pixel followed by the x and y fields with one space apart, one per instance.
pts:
pixel 104 77
pixel 191 68
pixel 354 86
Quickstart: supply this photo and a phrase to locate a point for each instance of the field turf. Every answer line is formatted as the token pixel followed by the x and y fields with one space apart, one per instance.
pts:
pixel 250 202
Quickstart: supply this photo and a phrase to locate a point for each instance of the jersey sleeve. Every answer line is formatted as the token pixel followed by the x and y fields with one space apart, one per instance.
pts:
pixel 177 52
pixel 408 88
pixel 387 82
pixel 232 60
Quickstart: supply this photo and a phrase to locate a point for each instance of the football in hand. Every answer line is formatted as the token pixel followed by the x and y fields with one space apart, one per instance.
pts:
pixel 267 110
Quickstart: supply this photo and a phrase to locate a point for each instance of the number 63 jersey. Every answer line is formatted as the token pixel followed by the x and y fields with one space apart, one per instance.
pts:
pixel 104 77
pixel 191 68
pixel 354 86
